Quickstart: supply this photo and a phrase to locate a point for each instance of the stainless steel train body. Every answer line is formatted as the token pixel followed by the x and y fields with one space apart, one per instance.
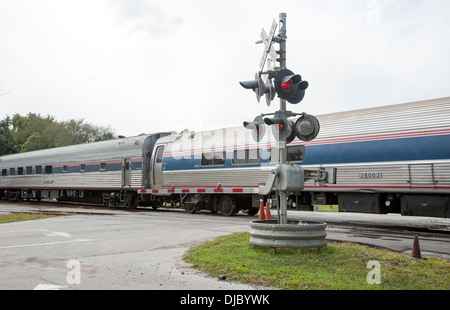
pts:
pixel 107 172
pixel 389 159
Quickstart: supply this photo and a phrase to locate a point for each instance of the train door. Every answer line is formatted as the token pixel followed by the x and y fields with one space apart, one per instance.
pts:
pixel 126 172
pixel 157 166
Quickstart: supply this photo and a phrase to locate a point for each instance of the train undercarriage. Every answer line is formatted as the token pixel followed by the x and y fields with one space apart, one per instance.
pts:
pixel 375 203
pixel 432 205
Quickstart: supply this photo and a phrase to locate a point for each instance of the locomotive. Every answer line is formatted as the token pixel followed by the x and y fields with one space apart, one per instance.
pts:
pixel 389 159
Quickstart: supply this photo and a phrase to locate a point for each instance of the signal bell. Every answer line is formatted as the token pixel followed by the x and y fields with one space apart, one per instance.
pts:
pixel 307 127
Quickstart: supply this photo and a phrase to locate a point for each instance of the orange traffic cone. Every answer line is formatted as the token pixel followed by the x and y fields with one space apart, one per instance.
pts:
pixel 261 211
pixel 416 248
pixel 268 214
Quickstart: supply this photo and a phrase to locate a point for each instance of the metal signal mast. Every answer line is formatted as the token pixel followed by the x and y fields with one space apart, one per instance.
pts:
pixel 290 88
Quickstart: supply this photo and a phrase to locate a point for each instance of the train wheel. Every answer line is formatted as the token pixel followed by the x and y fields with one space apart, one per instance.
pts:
pixel 190 207
pixel 132 201
pixel 227 206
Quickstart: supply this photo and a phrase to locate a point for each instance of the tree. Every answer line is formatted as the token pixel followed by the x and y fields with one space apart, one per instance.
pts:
pixel 7 144
pixel 32 126
pixel 36 132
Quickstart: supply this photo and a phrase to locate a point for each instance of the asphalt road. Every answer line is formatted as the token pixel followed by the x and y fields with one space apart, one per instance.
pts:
pixel 113 249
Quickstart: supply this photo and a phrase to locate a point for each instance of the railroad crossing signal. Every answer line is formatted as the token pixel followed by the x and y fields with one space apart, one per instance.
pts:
pixel 289 86
pixel 257 127
pixel 306 128
pixel 257 85
pixel 261 88
pixel 282 128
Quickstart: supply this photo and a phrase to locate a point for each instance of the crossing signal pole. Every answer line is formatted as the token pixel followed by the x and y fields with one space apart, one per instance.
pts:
pixel 282 144
pixel 290 88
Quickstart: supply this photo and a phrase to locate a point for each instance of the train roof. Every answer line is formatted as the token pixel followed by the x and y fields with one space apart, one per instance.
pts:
pixel 420 115
pixel 405 117
pixel 102 150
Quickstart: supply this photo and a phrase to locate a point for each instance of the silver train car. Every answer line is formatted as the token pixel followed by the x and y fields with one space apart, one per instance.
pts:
pixel 388 159
pixel 108 172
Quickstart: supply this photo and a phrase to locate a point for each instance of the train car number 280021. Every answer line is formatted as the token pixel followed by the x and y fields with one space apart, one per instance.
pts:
pixel 371 175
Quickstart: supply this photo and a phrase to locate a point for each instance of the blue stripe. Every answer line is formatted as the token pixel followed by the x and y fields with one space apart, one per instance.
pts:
pixel 110 167
pixel 402 149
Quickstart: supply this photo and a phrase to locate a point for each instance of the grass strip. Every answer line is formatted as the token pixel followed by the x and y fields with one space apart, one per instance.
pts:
pixel 19 217
pixel 341 266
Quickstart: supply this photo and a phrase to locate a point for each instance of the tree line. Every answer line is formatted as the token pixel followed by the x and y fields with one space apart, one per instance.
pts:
pixel 36 132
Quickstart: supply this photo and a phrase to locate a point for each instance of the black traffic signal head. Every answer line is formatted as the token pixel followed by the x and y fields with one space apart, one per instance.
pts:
pixel 281 127
pixel 289 86
pixel 307 127
pixel 257 127
pixel 257 85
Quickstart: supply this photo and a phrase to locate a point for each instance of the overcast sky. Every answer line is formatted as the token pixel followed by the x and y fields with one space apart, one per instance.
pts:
pixel 161 65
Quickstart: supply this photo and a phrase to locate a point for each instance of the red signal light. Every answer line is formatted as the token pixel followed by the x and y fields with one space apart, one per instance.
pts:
pixel 286 86
pixel 280 128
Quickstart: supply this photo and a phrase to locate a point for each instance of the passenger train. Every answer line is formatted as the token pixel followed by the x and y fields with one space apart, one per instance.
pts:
pixel 389 159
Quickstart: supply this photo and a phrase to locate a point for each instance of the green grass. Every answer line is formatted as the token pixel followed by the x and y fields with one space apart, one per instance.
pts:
pixel 18 217
pixel 341 266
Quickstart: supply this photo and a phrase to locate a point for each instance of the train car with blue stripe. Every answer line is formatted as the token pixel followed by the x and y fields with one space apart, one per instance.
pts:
pixel 389 159
pixel 106 172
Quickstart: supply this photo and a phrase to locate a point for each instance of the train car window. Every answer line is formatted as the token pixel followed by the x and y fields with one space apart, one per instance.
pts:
pixel 48 169
pixel 240 157
pixel 296 153
pixel 102 166
pixel 38 169
pixel 83 167
pixel 4 172
pixel 20 171
pixel 246 157
pixel 12 171
pixel 29 170
pixel 64 168
pixel 254 156
pixel 213 158
pixel 159 155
